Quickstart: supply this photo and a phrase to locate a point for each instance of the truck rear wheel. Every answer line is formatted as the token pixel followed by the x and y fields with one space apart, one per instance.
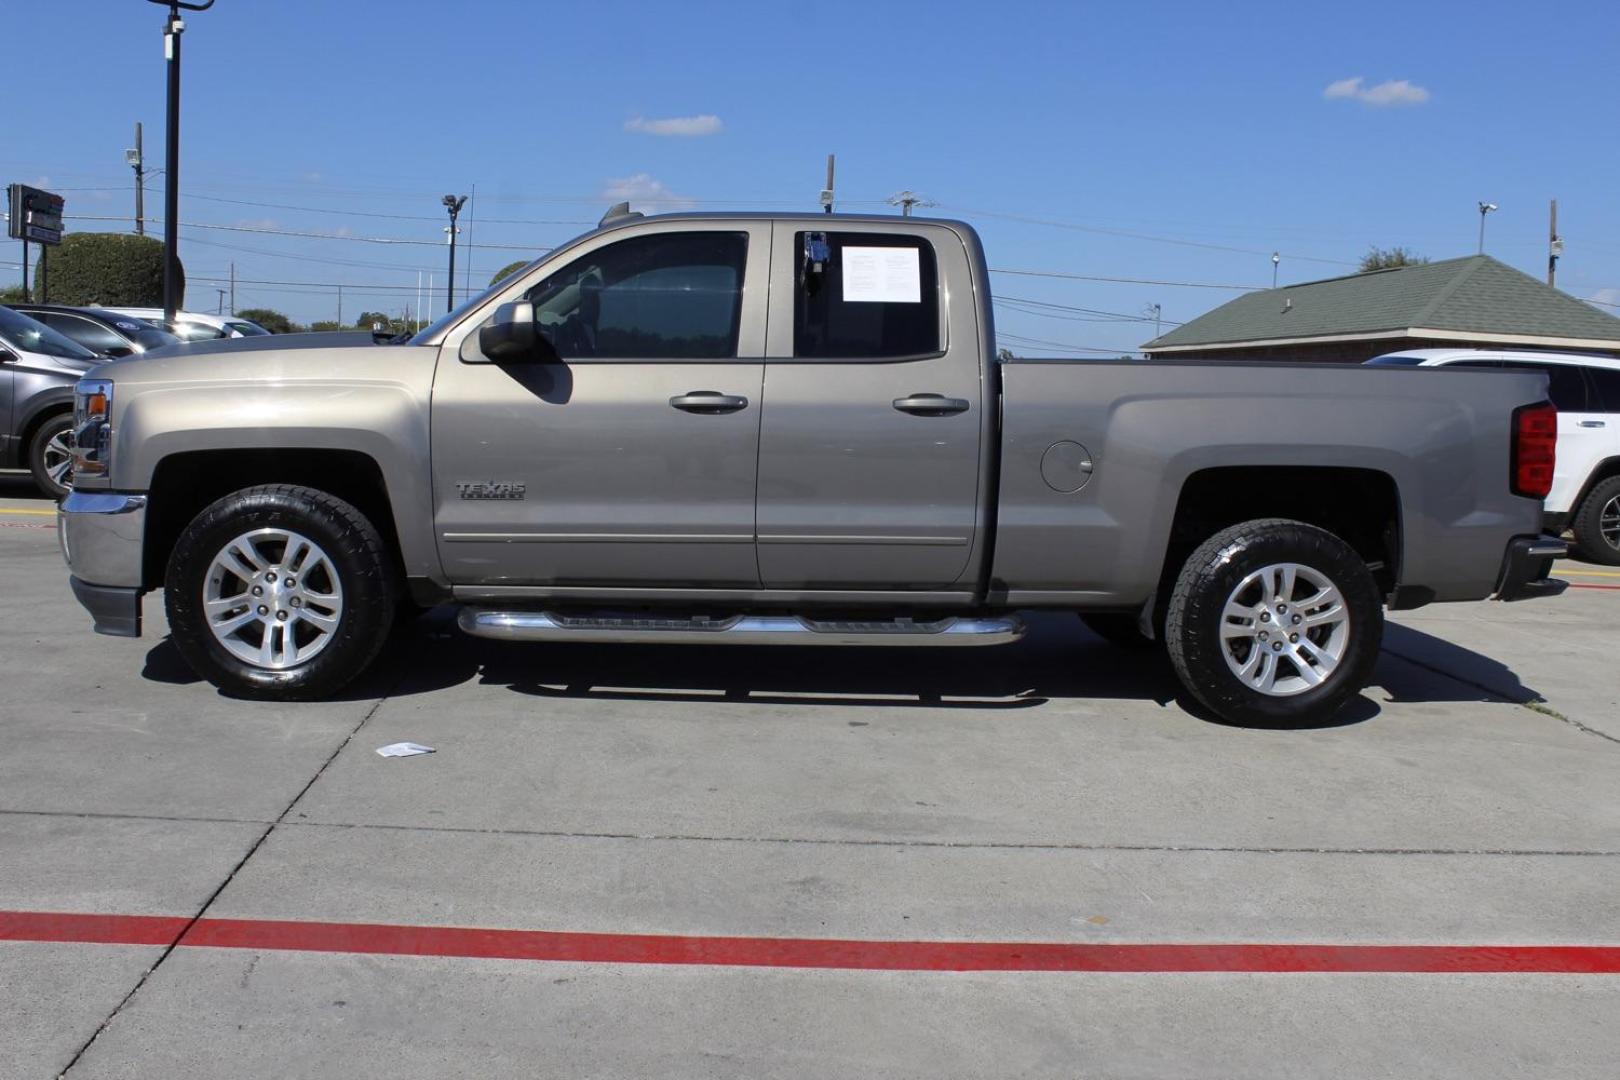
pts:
pixel 280 592
pixel 1274 623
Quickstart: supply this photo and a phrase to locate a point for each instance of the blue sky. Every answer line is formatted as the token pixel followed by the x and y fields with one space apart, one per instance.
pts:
pixel 1164 142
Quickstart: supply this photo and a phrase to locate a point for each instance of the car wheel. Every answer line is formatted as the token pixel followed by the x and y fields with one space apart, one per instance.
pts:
pixel 1596 524
pixel 280 592
pixel 1274 623
pixel 50 455
pixel 1118 629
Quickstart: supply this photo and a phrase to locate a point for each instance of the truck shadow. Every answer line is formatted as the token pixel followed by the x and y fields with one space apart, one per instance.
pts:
pixel 1059 659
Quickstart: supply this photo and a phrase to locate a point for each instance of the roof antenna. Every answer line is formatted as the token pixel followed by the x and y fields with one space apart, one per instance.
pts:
pixel 617 212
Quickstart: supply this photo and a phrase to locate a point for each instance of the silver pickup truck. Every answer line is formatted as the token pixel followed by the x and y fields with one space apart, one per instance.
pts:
pixel 790 429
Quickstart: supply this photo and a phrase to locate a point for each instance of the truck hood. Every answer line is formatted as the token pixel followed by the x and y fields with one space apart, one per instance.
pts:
pixel 335 357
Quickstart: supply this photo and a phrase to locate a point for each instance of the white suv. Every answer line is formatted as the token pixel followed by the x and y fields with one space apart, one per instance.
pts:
pixel 1585 496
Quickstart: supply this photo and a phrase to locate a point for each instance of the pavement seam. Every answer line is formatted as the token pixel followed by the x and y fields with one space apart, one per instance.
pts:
pixel 964 845
pixel 252 850
pixel 1535 704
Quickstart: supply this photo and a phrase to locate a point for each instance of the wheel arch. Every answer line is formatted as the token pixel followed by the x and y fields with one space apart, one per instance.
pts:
pixel 183 484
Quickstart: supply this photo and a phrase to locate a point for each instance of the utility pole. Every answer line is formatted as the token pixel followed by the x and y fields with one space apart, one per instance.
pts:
pixel 26 298
pixel 340 305
pixel 219 308
pixel 827 192
pixel 905 200
pixel 133 157
pixel 1555 246
pixel 1276 261
pixel 233 288
pixel 453 204
pixel 1158 315
pixel 1484 208
pixel 173 27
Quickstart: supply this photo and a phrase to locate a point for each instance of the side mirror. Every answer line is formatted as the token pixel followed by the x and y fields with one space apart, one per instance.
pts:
pixel 512 335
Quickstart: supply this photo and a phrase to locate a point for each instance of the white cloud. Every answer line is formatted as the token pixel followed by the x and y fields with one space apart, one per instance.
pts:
pixel 678 126
pixel 1609 298
pixel 642 190
pixel 1393 92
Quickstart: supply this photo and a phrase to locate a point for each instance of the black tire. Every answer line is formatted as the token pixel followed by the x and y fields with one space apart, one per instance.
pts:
pixel 1212 575
pixel 1118 629
pixel 364 570
pixel 44 448
pixel 1603 501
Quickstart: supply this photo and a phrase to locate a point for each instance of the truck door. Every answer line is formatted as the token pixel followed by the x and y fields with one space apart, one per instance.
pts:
pixel 629 459
pixel 874 418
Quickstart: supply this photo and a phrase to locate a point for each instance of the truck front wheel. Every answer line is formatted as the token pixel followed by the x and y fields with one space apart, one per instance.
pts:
pixel 1274 623
pixel 280 592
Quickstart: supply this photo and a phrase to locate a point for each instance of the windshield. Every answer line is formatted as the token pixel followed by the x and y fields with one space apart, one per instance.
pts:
pixel 26 335
pixel 247 329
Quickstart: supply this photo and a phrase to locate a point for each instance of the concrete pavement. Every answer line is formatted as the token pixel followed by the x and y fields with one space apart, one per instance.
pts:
pixel 1053 791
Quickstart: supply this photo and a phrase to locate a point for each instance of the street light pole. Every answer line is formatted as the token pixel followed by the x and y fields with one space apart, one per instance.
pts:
pixel 137 162
pixel 172 29
pixel 1276 261
pixel 1484 208
pixel 453 204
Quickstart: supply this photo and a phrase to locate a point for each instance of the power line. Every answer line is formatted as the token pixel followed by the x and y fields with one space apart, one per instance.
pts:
pixel 1019 338
pixel 1124 280
pixel 263 231
pixel 1144 236
pixel 1035 307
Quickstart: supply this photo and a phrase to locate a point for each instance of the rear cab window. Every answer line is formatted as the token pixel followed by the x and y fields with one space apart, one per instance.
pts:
pixel 868 295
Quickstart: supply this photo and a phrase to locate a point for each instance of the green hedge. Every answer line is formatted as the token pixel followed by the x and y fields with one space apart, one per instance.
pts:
pixel 109 269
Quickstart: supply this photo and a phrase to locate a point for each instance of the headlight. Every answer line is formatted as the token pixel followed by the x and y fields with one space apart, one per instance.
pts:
pixel 92 427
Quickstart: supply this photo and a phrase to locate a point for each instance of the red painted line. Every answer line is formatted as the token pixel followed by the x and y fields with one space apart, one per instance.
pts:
pixel 93 929
pixel 465 942
pixel 1578 585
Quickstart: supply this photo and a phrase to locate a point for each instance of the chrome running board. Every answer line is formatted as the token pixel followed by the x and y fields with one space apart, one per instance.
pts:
pixel 522 625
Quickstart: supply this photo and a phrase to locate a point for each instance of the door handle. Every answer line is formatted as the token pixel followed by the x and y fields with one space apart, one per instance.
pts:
pixel 931 405
pixel 1592 423
pixel 708 401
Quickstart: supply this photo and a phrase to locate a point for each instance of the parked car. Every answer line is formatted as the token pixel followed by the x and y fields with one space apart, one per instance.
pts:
pixel 108 333
pixel 196 325
pixel 38 368
pixel 1585 496
pixel 792 429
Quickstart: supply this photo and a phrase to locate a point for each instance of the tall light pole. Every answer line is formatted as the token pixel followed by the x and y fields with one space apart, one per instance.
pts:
pixel 1276 261
pixel 133 158
pixel 453 204
pixel 1484 208
pixel 173 27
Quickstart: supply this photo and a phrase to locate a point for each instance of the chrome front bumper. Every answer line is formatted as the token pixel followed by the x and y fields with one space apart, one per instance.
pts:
pixel 101 534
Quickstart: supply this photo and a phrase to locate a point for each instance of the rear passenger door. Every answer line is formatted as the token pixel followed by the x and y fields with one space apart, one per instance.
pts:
pixel 1583 436
pixel 872 435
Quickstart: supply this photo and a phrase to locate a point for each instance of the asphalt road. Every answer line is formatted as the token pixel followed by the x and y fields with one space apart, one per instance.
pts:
pixel 676 834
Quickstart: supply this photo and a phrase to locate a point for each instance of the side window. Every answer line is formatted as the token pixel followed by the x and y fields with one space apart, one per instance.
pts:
pixel 1606 387
pixel 91 335
pixel 668 296
pixel 865 295
pixel 1566 384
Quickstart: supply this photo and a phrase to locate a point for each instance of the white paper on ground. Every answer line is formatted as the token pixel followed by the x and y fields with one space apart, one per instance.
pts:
pixel 404 749
pixel 885 275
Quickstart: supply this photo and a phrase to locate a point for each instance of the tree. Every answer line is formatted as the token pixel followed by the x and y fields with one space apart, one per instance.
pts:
pixel 368 319
pixel 273 321
pixel 508 270
pixel 1378 258
pixel 109 269
pixel 12 294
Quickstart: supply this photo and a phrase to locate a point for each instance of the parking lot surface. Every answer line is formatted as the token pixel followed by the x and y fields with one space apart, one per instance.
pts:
pixel 718 862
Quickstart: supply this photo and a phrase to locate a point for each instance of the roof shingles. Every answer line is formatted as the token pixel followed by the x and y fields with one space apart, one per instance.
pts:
pixel 1472 294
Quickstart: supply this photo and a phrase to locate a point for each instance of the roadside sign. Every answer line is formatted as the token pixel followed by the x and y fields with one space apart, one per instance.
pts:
pixel 35 215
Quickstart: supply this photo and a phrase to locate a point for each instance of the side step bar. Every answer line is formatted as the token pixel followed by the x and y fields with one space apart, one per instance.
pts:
pixel 522 625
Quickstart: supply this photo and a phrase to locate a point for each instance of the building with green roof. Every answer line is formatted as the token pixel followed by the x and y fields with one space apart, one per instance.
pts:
pixel 1458 303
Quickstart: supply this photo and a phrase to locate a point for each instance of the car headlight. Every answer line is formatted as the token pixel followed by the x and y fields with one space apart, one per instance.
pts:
pixel 92 427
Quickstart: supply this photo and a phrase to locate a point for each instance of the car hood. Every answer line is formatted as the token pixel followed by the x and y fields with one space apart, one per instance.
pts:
pixel 327 357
